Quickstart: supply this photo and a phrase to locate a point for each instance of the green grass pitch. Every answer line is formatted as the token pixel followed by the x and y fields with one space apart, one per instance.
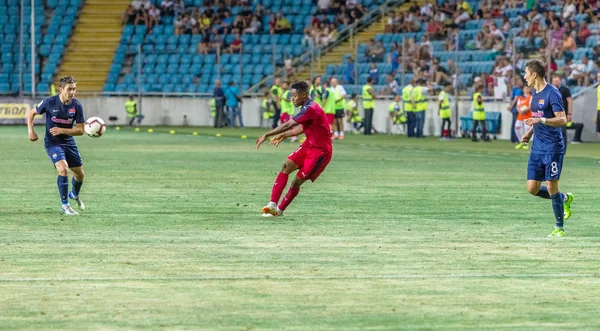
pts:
pixel 396 234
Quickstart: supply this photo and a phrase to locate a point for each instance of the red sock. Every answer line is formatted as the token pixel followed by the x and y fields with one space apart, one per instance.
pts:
pixel 279 186
pixel 289 197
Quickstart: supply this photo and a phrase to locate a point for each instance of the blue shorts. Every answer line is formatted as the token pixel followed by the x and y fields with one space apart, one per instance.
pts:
pixel 68 153
pixel 543 167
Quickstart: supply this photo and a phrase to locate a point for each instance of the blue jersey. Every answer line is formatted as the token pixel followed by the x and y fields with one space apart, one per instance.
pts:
pixel 60 115
pixel 547 139
pixel 231 94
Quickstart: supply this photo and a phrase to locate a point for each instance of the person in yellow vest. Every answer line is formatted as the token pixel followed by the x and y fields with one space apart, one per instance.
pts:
pixel 445 113
pixel 368 97
pixel 339 94
pixel 316 91
pixel 266 109
pixel 52 89
pixel 132 112
pixel 276 93
pixel 407 103
pixel 419 99
pixel 287 106
pixel 397 115
pixel 329 104
pixel 478 115
pixel 352 113
pixel 212 104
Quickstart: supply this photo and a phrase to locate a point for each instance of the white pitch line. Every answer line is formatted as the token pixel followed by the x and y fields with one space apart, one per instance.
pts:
pixel 242 278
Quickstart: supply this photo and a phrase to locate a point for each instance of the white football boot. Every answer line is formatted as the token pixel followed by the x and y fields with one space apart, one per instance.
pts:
pixel 80 204
pixel 67 210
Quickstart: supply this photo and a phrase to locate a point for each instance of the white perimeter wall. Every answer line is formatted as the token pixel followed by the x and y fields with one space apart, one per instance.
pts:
pixel 171 111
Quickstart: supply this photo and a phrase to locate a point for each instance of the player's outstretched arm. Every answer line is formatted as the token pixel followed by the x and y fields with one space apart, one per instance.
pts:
pixel 298 130
pixel 280 129
pixel 559 120
pixel 30 116
pixel 76 131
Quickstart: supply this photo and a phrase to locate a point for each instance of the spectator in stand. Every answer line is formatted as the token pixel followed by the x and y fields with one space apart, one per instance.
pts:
pixel 583 33
pixel 282 25
pixel 178 25
pixel 154 18
pixel 166 7
pixel 435 30
pixel 129 16
pixel 374 73
pixel 226 22
pixel 204 24
pixel 569 10
pixel 216 45
pixel 254 26
pixel 179 8
pixel 204 44
pixel 142 11
pixel 392 86
pixel 350 71
pixel 377 52
pixel 236 45
pixel 394 58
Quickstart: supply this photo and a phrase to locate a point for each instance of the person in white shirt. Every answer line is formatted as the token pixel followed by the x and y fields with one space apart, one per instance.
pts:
pixel 154 14
pixel 339 93
pixel 167 7
pixel 569 10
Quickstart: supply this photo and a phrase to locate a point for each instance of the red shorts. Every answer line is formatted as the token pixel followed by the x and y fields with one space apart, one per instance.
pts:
pixel 330 118
pixel 284 117
pixel 310 161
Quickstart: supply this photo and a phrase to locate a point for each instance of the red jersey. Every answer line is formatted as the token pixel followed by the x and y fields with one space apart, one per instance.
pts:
pixel 315 125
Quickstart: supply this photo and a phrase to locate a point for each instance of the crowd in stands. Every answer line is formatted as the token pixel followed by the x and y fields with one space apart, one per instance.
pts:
pixel 543 28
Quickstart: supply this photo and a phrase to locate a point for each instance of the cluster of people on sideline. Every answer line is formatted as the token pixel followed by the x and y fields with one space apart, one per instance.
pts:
pixel 226 105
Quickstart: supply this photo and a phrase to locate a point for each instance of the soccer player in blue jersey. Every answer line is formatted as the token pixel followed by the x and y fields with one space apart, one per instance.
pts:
pixel 547 152
pixel 62 111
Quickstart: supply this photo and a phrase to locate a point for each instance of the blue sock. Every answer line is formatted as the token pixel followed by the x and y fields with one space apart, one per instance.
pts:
pixel 63 188
pixel 76 186
pixel 559 209
pixel 543 193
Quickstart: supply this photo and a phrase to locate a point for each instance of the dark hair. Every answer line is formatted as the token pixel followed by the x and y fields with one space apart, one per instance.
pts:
pixel 315 79
pixel 300 87
pixel 538 67
pixel 67 80
pixel 370 80
pixel 353 96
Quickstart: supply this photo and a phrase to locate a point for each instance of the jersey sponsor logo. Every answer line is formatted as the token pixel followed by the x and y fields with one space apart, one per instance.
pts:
pixel 61 121
pixel 541 103
pixel 72 112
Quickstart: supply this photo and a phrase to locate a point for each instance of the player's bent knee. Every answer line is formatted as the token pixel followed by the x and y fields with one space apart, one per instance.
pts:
pixel 297 182
pixel 533 188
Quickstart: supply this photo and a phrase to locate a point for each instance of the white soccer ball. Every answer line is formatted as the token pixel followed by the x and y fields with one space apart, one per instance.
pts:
pixel 523 109
pixel 94 127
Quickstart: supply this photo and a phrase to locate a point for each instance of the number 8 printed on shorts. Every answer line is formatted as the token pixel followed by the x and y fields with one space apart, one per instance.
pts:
pixel 554 168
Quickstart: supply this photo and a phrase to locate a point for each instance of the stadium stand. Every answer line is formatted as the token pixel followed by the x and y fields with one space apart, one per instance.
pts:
pixel 54 22
pixel 481 54
pixel 178 63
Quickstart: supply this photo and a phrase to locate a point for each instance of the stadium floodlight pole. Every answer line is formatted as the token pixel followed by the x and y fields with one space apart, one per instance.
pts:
pixel 33 48
pixel 139 77
pixel 21 21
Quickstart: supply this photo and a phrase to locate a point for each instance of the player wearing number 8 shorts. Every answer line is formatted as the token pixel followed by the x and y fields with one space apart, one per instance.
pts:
pixel 547 152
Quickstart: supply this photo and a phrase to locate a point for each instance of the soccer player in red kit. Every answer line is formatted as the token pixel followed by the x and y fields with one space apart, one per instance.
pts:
pixel 310 159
